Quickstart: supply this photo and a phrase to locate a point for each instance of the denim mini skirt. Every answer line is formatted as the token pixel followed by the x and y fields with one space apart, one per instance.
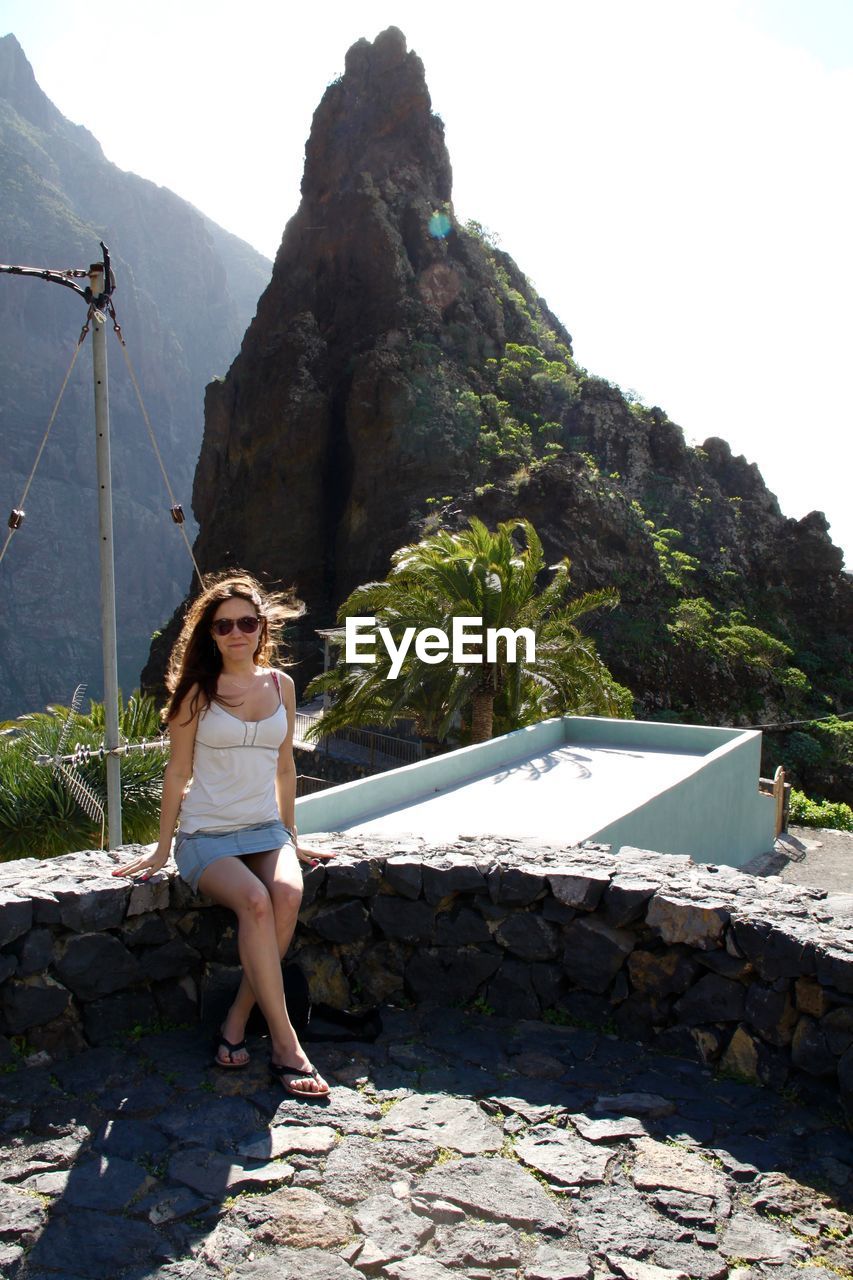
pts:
pixel 194 851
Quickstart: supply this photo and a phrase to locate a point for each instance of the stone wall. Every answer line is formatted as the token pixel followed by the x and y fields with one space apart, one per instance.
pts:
pixel 753 975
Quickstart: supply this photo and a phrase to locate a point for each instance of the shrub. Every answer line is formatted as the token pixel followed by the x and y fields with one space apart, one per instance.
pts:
pixel 38 815
pixel 806 812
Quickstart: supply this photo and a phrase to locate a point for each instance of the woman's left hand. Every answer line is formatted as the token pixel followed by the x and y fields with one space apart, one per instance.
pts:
pixel 314 856
pixel 145 867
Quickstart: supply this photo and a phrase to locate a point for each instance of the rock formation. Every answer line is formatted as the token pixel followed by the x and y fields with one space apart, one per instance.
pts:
pixel 339 419
pixel 401 370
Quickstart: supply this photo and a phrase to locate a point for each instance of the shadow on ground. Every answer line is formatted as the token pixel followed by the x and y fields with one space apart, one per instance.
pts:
pixel 458 1145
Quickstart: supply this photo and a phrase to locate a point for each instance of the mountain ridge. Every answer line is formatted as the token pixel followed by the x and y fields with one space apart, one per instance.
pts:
pixel 186 290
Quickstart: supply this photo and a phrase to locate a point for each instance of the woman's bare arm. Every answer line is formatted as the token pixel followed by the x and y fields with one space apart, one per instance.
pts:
pixel 179 768
pixel 285 778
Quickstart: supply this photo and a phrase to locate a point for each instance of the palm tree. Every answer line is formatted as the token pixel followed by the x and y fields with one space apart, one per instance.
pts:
pixel 484 575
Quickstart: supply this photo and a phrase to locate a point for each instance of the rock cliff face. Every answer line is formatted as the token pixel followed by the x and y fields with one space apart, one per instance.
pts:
pixel 186 290
pixel 338 419
pixel 401 371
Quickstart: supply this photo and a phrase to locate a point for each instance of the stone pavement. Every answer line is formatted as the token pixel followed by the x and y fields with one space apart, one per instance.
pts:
pixel 459 1145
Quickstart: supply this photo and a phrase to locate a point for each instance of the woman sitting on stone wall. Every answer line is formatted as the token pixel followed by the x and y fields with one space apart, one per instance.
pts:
pixel 230 784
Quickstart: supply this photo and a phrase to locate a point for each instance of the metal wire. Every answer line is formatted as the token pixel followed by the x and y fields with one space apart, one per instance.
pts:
pixel 153 439
pixel 31 477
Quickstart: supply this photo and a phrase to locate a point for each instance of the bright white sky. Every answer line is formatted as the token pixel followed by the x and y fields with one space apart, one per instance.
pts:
pixel 673 175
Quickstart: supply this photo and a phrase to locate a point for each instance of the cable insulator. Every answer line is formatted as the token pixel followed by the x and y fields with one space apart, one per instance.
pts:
pixel 16 519
pixel 178 514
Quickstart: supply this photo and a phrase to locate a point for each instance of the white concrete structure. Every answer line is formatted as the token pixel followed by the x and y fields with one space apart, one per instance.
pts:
pixel 668 787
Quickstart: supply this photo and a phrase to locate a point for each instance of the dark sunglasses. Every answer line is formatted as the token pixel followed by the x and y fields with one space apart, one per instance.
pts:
pixel 224 626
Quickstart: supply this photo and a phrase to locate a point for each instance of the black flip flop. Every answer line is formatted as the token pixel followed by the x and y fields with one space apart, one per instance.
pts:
pixel 219 1042
pixel 279 1072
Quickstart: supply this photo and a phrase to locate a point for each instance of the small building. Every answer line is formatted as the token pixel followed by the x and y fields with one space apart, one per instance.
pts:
pixel 673 788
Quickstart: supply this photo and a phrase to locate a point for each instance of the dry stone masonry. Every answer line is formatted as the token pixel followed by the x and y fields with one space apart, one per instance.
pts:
pixel 753 976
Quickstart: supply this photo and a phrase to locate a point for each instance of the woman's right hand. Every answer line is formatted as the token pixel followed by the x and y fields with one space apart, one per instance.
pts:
pixel 148 865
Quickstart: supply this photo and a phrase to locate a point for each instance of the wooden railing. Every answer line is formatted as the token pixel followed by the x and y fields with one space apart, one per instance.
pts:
pixel 780 790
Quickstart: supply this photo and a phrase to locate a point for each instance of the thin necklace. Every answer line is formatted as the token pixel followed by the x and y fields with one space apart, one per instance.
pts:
pixel 240 688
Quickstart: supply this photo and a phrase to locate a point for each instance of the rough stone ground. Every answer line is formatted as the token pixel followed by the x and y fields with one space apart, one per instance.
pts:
pixel 459 1146
pixel 810 856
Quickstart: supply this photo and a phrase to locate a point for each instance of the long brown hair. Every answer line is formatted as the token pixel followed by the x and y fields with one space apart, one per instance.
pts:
pixel 196 660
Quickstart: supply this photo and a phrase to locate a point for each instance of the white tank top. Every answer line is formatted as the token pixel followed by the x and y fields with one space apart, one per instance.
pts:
pixel 234 768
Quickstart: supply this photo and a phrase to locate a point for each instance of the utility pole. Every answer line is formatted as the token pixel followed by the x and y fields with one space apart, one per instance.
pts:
pixel 98 299
pixel 101 286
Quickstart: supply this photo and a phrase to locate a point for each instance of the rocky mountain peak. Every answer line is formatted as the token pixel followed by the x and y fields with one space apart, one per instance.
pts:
pixel 376 121
pixel 19 87
pixel 378 300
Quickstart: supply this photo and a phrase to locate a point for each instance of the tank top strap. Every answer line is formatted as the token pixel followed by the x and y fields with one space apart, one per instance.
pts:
pixel 277 684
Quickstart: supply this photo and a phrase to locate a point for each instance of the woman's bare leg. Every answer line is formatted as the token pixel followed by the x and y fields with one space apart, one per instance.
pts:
pixel 230 882
pixel 279 870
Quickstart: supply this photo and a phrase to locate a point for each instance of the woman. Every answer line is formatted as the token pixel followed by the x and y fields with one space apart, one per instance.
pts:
pixel 231 783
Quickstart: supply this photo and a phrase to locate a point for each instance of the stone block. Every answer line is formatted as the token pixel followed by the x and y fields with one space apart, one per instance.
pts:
pixel 313 879
pixel 94 907
pixel 809 1049
pixel 661 973
pixel 16 916
pixel 712 999
pixel 148 895
pixel 458 928
pixel 380 972
pixel 449 974
pixel 638 1015
pixel 217 989
pixel 182 897
pixel 703 1044
pixel 837 1028
pixel 834 968
pixel 578 886
pixel 34 951
pixel 452 874
pixel 44 904
pixel 726 965
pixel 770 1010
pixel 173 960
pixel 527 935
pixel 30 1002
pixel 557 912
pixel 515 886
pixel 346 922
pixel 408 921
pixel 404 874
pixel 594 953
pixel 177 1002
pixel 775 952
pixel 510 992
pixel 548 983
pixel 699 924
pixel 810 997
pixel 61 1038
pixel 112 1017
pixel 741 1056
pixel 625 899
pixel 8 966
pixel 351 879
pixel 845 1083
pixel 327 980
pixel 149 930
pixel 202 930
pixel 96 964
